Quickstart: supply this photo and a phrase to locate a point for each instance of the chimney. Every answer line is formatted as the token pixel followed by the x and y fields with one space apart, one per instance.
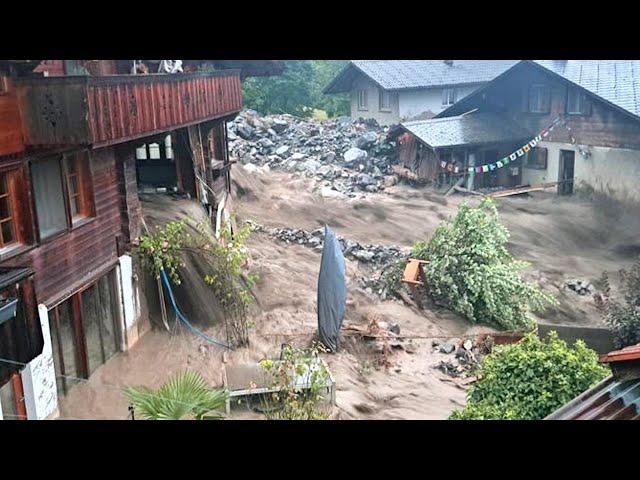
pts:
pixel 448 62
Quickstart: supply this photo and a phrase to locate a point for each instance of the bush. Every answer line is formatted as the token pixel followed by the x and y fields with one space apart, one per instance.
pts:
pixel 531 379
pixel 622 317
pixel 471 271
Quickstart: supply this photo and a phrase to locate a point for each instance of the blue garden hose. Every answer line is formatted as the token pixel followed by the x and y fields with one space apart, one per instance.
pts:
pixel 183 319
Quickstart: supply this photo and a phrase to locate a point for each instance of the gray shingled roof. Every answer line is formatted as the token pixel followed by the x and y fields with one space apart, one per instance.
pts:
pixel 405 74
pixel 616 81
pixel 470 129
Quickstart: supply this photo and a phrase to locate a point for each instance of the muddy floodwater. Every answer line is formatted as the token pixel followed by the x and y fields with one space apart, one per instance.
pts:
pixel 561 237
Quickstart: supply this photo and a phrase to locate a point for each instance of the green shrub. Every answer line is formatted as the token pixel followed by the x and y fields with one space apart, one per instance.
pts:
pixel 623 318
pixel 471 271
pixel 531 379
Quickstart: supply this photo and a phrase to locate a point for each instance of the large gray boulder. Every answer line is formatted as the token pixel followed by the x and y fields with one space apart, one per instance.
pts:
pixel 367 140
pixel 354 155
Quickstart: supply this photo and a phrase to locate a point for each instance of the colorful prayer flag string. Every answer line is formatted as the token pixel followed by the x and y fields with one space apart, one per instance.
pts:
pixel 450 167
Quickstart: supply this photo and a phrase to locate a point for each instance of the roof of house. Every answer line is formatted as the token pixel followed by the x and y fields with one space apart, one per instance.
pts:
pixel 608 400
pixel 414 74
pixel 617 82
pixel 611 399
pixel 469 129
pixel 626 354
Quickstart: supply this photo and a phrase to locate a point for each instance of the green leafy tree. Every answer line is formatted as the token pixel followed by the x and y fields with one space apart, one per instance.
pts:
pixel 622 315
pixel 531 379
pixel 290 92
pixel 184 396
pixel 471 271
pixel 298 91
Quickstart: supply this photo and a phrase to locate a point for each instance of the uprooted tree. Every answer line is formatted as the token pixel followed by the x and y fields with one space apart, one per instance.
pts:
pixel 531 379
pixel 164 248
pixel 471 272
pixel 622 315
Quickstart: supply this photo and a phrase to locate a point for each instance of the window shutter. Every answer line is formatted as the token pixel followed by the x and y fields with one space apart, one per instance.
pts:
pixel 525 98
pixel 586 104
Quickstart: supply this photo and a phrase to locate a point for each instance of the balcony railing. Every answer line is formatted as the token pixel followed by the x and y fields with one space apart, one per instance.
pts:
pixel 99 111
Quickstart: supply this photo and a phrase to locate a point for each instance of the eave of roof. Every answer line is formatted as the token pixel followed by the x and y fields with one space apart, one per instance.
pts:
pixel 626 354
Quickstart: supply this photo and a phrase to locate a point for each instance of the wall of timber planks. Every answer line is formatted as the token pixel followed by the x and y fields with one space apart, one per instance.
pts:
pixel 11 138
pixel 66 260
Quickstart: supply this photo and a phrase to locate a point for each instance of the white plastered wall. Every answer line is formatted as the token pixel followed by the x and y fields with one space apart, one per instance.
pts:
pixel 416 102
pixel 614 171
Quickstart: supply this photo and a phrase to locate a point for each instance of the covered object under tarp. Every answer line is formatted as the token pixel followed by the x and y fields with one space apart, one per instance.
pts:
pixel 332 291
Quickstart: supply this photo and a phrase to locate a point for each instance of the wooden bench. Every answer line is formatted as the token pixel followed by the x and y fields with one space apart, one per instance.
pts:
pixel 414 277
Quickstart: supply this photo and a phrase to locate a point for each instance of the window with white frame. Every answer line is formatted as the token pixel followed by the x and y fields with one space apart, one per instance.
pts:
pixel 362 99
pixel 449 96
pixel 385 100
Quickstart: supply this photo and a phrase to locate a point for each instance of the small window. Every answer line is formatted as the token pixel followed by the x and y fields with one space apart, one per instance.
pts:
pixel 52 180
pixel 449 96
pixel 539 99
pixel 78 185
pixel 537 158
pixel 577 102
pixel 8 225
pixel 385 100
pixel 362 100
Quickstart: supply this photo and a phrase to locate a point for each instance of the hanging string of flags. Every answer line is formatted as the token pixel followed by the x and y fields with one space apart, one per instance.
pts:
pixel 452 168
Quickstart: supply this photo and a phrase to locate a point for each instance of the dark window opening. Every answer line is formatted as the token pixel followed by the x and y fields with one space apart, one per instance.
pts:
pixel 577 102
pixel 537 158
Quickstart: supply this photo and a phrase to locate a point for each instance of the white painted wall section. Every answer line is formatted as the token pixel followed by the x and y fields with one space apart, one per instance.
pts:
pixel 39 377
pixel 416 102
pixel 614 171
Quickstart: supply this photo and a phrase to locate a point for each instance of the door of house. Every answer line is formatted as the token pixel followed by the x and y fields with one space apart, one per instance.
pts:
pixel 12 399
pixel 565 177
pixel 84 332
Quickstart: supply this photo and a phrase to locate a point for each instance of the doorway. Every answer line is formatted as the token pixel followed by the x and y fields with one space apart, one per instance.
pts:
pixel 565 176
pixel 84 332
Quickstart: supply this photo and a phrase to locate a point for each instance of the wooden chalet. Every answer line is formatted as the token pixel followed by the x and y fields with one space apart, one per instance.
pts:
pixel 77 141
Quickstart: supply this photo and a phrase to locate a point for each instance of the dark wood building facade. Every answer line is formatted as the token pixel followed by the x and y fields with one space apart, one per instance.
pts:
pixel 69 206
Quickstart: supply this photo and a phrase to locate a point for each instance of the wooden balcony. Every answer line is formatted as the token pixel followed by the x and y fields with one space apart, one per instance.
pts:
pixel 100 111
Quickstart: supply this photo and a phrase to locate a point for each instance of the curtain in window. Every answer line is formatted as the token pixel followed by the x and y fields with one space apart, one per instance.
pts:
pixel 49 198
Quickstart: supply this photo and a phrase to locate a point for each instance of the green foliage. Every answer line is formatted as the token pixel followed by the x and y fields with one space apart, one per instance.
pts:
pixel 298 91
pixel 295 368
pixel 225 260
pixel 162 248
pixel 232 289
pixel 623 317
pixel 184 396
pixel 471 271
pixel 531 379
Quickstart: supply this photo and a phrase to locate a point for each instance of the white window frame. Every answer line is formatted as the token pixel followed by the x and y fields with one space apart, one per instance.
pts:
pixel 382 95
pixel 362 99
pixel 449 96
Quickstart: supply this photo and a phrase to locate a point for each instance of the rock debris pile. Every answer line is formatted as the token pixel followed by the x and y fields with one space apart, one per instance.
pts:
pixel 347 157
pixel 468 355
pixel 581 287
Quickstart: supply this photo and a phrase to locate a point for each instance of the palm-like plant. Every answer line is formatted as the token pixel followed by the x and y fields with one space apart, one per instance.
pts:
pixel 184 396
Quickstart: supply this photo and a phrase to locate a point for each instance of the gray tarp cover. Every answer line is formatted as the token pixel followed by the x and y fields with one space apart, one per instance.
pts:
pixel 332 291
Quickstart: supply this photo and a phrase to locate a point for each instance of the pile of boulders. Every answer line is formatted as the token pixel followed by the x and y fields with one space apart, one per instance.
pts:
pixel 345 156
pixel 581 287
pixel 375 255
pixel 466 357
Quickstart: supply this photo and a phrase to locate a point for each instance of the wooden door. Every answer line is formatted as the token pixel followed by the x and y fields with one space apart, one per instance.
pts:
pixel 566 173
